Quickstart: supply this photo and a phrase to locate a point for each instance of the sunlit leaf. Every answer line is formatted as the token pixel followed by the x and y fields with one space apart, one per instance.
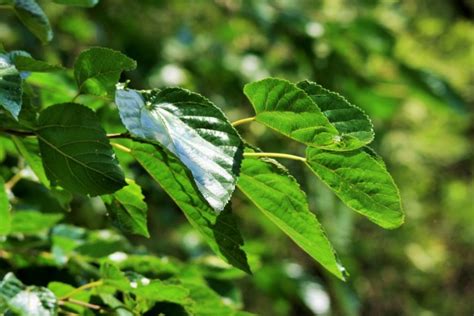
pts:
pixel 354 126
pixel 98 69
pixel 288 110
pixel 219 230
pixel 76 152
pixel 361 182
pixel 32 222
pixel 278 195
pixel 193 129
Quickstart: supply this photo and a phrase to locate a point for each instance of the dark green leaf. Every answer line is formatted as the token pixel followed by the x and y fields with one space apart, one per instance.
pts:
pixel 361 182
pixel 33 17
pixel 193 129
pixel 32 222
pixel 79 3
pixel 5 217
pixel 354 126
pixel 127 209
pixel 10 86
pixel 76 151
pixel 287 109
pixel 26 63
pixel 220 230
pixel 27 300
pixel 278 195
pixel 97 70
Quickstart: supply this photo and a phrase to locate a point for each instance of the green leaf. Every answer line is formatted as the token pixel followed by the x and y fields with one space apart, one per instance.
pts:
pixel 27 300
pixel 33 17
pixel 29 150
pixel 278 195
pixel 354 126
pixel 127 209
pixel 5 216
pixel 97 70
pixel 219 230
pixel 33 222
pixel 76 151
pixel 26 63
pixel 288 110
pixel 193 129
pixel 10 86
pixel 361 182
pixel 60 289
pixel 79 3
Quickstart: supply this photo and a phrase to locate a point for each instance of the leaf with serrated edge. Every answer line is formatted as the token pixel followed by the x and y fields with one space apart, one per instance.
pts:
pixel 5 216
pixel 34 18
pixel 97 70
pixel 287 109
pixel 26 63
pixel 127 209
pixel 219 230
pixel 10 86
pixel 76 151
pixel 354 126
pixel 193 129
pixel 361 182
pixel 278 195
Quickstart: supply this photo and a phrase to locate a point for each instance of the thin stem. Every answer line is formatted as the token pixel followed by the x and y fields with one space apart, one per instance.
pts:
pixel 13 180
pixel 82 288
pixel 122 148
pixel 76 96
pixel 80 303
pixel 118 135
pixel 275 155
pixel 243 121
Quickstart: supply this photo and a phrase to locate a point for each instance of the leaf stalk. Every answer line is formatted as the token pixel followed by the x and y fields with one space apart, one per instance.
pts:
pixel 275 155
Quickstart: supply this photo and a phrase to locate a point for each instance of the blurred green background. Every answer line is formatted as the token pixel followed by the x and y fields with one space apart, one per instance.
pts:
pixel 408 64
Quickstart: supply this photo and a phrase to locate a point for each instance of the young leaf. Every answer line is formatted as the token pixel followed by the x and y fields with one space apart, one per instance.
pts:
pixel 79 3
pixel 27 63
pixel 193 129
pixel 5 217
pixel 278 195
pixel 127 209
pixel 98 69
pixel 219 230
pixel 76 152
pixel 361 182
pixel 354 126
pixel 10 86
pixel 27 300
pixel 33 17
pixel 287 109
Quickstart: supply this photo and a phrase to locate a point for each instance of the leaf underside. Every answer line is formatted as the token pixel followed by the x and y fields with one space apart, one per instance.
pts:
pixel 10 86
pixel 34 18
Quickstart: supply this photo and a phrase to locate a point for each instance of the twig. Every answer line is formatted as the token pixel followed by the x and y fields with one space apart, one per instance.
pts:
pixel 243 121
pixel 275 155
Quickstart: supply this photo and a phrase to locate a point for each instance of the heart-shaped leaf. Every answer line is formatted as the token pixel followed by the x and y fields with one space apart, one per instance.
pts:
pixel 76 151
pixel 354 126
pixel 361 182
pixel 193 129
pixel 278 195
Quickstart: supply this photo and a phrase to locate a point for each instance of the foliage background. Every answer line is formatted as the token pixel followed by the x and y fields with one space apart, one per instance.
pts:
pixel 408 64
